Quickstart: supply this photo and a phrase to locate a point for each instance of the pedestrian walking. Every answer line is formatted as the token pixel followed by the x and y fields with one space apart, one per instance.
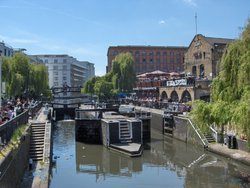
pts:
pixel 30 164
pixel 225 140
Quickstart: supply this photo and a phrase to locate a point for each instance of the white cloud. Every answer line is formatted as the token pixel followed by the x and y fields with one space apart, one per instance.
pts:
pixel 190 2
pixel 161 22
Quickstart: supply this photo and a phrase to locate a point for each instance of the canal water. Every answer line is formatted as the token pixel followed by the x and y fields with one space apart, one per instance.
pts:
pixel 165 162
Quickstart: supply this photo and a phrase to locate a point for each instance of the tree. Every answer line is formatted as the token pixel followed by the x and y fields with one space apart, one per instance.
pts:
pixel 121 78
pixel 22 78
pixel 124 77
pixel 38 81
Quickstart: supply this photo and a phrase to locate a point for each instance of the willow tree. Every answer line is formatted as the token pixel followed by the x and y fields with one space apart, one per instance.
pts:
pixel 15 73
pixel 22 78
pixel 230 103
pixel 120 78
pixel 123 72
pixel 38 80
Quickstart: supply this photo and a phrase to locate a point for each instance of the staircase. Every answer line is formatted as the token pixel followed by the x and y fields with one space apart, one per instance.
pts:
pixel 125 132
pixel 37 141
pixel 209 137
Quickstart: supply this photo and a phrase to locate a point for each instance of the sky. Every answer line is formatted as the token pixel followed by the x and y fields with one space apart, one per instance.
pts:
pixel 85 29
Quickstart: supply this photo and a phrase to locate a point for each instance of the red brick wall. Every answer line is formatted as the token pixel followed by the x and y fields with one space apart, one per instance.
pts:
pixel 151 58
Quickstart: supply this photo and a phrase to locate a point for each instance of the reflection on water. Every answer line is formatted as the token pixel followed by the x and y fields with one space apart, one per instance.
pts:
pixel 165 162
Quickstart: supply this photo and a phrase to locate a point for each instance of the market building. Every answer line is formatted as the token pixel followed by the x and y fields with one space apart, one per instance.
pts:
pixel 201 64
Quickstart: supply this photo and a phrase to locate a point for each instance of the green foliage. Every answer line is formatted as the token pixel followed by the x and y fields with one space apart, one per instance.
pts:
pixel 21 76
pixel 230 90
pixel 123 70
pixel 121 78
pixel 200 114
pixel 18 133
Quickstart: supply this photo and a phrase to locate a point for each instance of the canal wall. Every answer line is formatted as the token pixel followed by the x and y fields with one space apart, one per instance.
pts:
pixel 183 131
pixel 14 164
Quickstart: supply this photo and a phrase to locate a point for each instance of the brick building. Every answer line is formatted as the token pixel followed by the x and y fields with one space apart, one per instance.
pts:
pixel 200 65
pixel 151 58
pixel 203 56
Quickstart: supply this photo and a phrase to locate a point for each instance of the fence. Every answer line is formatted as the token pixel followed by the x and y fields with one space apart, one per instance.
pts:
pixel 8 128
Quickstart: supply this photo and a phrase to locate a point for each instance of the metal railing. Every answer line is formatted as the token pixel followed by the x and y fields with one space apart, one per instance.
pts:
pixel 197 131
pixel 214 132
pixel 8 128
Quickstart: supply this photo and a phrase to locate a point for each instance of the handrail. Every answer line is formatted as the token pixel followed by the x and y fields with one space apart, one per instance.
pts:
pixel 197 130
pixel 215 132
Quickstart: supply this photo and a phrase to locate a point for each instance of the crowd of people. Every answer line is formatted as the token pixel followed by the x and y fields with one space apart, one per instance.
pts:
pixel 11 108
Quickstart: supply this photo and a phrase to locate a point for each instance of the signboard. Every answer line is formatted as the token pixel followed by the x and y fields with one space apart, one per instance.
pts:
pixel 179 82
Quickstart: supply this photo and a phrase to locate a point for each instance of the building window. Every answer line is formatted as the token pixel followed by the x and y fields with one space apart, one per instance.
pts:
pixel 115 53
pixel 137 61
pixel 158 60
pixel 46 61
pixel 165 61
pixel 55 67
pixel 55 83
pixel 55 60
pixel 165 54
pixel 204 55
pixel 55 73
pixel 64 67
pixel 56 78
pixel 64 60
pixel 151 60
pixel 64 78
pixel 178 61
pixel 137 53
pixel 158 53
pixel 171 53
pixel 144 60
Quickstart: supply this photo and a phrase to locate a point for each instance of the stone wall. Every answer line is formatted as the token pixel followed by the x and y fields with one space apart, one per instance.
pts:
pixel 184 131
pixel 12 168
pixel 157 121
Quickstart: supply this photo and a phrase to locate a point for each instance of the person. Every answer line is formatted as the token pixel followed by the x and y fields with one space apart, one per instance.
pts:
pixel 30 163
pixel 225 140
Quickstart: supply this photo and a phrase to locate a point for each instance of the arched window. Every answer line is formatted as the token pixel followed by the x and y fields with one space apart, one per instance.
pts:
pixel 202 71
pixel 186 96
pixel 194 71
pixel 174 96
pixel 164 96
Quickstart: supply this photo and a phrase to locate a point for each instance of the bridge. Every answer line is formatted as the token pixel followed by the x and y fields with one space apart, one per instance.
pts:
pixel 65 100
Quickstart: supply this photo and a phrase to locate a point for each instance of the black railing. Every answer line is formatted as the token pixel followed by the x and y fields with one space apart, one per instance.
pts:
pixel 8 128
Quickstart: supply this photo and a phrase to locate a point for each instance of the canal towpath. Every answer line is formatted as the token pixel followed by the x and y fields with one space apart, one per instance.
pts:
pixel 235 154
pixel 38 177
pixel 218 148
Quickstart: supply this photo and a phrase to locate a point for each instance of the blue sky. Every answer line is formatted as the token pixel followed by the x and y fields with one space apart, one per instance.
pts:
pixel 86 28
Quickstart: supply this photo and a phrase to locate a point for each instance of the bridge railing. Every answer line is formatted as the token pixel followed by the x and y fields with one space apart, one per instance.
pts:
pixel 8 128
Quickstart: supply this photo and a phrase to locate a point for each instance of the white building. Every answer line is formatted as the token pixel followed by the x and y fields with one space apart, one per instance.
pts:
pixel 5 50
pixel 89 71
pixel 66 70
